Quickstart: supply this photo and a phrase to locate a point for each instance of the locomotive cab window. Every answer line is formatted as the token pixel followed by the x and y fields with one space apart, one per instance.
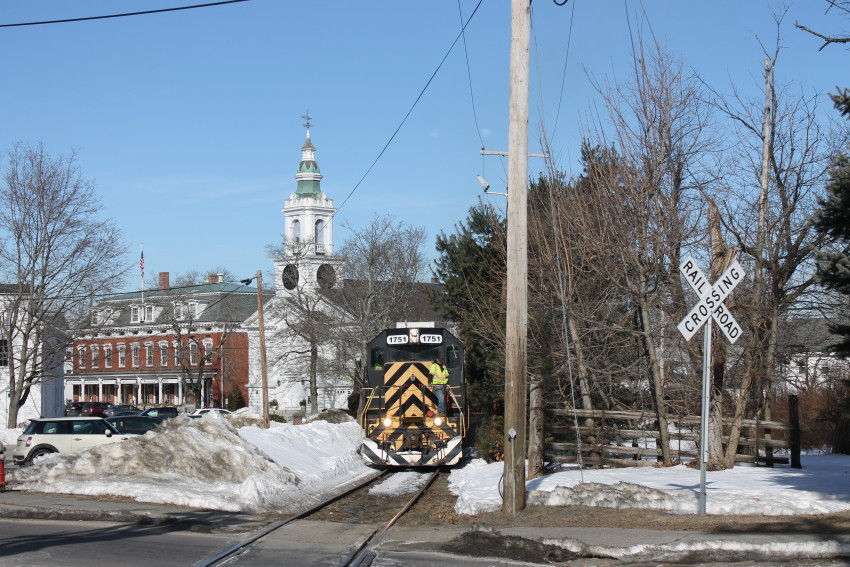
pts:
pixel 376 358
pixel 452 357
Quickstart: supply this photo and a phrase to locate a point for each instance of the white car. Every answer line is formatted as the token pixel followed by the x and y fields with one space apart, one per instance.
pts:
pixel 204 411
pixel 62 435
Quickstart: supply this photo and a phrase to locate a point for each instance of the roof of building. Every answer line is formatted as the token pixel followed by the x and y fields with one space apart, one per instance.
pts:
pixel 219 302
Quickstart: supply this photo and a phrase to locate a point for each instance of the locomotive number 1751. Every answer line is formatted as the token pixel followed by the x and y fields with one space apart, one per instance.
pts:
pixel 431 339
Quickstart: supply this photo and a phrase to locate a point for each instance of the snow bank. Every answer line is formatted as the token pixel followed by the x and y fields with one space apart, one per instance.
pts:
pixel 202 463
pixel 821 487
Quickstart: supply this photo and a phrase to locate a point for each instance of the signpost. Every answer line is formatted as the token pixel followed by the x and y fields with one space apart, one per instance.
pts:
pixel 710 306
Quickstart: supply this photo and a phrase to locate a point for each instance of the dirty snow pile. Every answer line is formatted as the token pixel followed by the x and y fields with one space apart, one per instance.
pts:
pixel 822 486
pixel 206 463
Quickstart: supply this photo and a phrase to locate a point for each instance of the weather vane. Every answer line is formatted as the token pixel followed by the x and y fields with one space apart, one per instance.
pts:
pixel 307 117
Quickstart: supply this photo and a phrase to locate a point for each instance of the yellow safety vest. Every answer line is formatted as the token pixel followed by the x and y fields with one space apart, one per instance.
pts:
pixel 440 376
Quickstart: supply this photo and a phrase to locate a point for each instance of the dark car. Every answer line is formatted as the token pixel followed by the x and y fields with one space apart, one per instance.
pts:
pixel 138 424
pixel 94 409
pixel 72 409
pixel 123 409
pixel 160 412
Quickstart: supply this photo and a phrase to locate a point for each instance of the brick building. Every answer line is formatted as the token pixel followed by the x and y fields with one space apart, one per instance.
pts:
pixel 153 347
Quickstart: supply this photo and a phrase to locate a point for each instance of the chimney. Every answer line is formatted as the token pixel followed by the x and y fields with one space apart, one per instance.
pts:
pixel 164 280
pixel 220 277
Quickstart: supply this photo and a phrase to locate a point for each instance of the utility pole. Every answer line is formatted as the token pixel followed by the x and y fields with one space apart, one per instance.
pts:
pixel 262 326
pixel 516 331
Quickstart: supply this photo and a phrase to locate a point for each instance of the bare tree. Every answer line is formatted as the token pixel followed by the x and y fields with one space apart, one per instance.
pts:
pixel 383 270
pixel 642 207
pixel 783 152
pixel 308 321
pixel 57 253
pixel 841 6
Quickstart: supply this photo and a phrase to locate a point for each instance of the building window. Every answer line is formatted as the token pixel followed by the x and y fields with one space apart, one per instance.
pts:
pixel 149 354
pixel 81 357
pixel 163 354
pixel 134 349
pixel 193 309
pixel 149 313
pixel 178 350
pixel 107 356
pixel 122 356
pixel 178 310
pixel 208 351
pixel 296 231
pixel 193 353
pixel 95 356
pixel 134 313
pixel 4 352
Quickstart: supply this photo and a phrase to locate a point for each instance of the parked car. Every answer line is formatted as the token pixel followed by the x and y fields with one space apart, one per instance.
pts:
pixel 137 424
pixel 160 412
pixel 62 435
pixel 73 408
pixel 203 411
pixel 124 409
pixel 96 409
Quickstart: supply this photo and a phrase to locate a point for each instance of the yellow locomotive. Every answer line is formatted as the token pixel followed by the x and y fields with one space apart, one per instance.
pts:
pixel 398 405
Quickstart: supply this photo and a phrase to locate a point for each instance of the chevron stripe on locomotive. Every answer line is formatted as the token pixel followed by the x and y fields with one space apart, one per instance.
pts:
pixel 398 405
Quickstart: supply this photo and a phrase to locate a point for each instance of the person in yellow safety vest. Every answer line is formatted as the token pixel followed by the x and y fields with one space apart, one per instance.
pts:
pixel 439 380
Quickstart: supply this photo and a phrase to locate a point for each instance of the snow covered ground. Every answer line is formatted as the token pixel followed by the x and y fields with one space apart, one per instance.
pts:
pixel 215 463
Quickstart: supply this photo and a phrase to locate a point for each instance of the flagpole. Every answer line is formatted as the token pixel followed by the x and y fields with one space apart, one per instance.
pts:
pixel 142 270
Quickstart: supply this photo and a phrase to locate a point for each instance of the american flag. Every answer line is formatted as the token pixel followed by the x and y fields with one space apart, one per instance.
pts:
pixel 142 264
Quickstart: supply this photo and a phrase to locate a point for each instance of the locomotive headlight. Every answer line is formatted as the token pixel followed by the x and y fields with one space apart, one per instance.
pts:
pixel 414 336
pixel 387 422
pixel 438 421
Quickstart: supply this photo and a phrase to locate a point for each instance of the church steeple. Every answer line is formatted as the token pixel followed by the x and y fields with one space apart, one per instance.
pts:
pixel 308 176
pixel 308 261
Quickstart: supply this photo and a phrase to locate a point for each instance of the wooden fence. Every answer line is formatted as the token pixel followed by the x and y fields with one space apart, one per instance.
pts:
pixel 615 437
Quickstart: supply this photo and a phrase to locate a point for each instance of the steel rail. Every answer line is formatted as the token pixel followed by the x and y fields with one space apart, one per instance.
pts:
pixel 240 545
pixel 361 555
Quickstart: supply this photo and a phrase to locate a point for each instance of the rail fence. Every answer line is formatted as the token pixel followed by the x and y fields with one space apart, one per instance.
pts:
pixel 627 438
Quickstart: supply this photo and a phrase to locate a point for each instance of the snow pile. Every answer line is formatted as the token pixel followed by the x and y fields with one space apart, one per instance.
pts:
pixel 9 438
pixel 821 487
pixel 320 453
pixel 201 463
pixel 400 483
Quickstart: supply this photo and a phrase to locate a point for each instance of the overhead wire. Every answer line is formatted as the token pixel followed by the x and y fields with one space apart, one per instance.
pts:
pixel 471 92
pixel 124 15
pixel 415 102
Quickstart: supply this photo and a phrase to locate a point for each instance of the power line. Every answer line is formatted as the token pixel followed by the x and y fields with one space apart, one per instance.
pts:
pixel 469 76
pixel 122 15
pixel 415 102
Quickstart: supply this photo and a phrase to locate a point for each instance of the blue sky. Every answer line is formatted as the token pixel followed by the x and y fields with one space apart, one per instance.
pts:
pixel 190 122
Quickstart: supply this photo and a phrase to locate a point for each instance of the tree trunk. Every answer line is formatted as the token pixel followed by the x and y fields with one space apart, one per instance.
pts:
pixel 535 427
pixel 314 386
pixel 720 260
pixel 657 383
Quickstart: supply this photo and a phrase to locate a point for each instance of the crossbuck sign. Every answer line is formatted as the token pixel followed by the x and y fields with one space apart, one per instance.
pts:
pixel 710 304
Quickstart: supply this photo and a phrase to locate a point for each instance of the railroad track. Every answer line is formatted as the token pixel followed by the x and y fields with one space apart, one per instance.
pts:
pixel 361 555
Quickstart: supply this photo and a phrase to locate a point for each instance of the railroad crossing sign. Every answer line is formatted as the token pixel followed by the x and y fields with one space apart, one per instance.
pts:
pixel 710 305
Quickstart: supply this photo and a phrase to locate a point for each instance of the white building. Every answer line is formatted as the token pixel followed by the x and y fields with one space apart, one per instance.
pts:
pixel 45 397
pixel 294 319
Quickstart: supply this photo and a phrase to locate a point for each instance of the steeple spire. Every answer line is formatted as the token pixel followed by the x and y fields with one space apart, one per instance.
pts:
pixel 308 176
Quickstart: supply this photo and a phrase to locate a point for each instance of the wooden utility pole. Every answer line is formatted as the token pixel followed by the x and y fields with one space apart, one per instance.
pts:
pixel 516 331
pixel 262 326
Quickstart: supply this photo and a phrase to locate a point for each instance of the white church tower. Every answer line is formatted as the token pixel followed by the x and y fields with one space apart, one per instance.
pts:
pixel 307 269
pixel 309 235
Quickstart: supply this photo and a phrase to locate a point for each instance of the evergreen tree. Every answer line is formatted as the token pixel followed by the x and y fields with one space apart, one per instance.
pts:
pixel 833 220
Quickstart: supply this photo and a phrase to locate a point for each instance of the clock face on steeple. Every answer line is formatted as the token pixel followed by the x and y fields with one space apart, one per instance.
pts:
pixel 290 277
pixel 326 276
